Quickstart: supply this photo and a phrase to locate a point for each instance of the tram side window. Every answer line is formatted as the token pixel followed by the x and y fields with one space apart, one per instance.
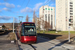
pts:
pixel 22 29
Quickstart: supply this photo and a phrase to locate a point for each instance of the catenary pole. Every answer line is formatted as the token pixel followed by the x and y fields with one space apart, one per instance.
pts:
pixel 13 24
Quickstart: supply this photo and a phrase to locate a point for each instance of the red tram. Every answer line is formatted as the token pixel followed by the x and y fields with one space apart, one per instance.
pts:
pixel 27 32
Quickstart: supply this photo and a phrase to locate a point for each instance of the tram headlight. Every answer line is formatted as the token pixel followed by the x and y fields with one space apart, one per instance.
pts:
pixel 25 39
pixel 35 36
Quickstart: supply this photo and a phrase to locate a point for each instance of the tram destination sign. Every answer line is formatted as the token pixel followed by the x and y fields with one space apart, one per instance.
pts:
pixel 29 24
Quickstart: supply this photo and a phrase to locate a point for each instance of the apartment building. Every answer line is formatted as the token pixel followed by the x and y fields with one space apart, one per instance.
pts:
pixel 65 15
pixel 47 13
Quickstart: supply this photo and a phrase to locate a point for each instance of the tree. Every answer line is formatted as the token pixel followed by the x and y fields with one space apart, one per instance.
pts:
pixel 44 24
pixel 15 25
pixel 47 25
pixel 27 19
pixel 38 23
pixel 3 26
pixel 34 17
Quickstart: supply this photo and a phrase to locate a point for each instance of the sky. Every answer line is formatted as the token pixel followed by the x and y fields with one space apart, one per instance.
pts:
pixel 19 9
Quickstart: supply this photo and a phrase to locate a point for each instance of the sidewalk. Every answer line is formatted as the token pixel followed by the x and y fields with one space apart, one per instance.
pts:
pixel 5 43
pixel 64 44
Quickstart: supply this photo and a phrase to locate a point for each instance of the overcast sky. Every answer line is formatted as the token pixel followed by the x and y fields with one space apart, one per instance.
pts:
pixel 15 8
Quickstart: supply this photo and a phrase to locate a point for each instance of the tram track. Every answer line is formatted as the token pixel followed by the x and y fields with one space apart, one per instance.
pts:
pixel 32 46
pixel 26 46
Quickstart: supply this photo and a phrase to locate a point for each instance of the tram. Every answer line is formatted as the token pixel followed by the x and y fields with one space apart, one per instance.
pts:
pixel 26 32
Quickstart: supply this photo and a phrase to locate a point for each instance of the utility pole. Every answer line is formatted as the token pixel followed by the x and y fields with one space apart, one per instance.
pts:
pixel 20 17
pixel 13 24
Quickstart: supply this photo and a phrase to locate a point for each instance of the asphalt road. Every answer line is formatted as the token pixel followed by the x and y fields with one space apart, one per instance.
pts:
pixel 42 44
pixel 6 44
pixel 45 44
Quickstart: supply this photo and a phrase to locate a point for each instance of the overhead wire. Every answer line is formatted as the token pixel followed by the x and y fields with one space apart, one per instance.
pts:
pixel 50 1
pixel 47 2
pixel 23 3
pixel 26 4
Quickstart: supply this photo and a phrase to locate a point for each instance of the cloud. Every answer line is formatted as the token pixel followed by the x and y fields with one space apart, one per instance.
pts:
pixel 0 10
pixel 27 9
pixel 52 5
pixel 46 1
pixel 37 6
pixel 6 9
pixel 5 17
pixel 5 0
pixel 8 5
pixel 18 6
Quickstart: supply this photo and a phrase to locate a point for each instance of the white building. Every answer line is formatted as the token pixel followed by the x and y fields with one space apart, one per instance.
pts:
pixel 47 14
pixel 0 27
pixel 65 15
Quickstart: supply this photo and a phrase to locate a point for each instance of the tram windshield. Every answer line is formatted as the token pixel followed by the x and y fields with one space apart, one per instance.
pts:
pixel 30 30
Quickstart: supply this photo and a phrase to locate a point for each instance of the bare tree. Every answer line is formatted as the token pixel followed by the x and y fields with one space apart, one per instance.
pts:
pixel 47 25
pixel 38 23
pixel 34 17
pixel 27 19
pixel 44 24
pixel 3 26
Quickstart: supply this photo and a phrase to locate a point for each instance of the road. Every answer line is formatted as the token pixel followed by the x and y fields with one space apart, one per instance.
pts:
pixel 6 44
pixel 45 44
pixel 42 44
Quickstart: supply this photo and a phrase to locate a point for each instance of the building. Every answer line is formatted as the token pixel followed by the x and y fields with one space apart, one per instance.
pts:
pixel 65 15
pixel 0 27
pixel 47 13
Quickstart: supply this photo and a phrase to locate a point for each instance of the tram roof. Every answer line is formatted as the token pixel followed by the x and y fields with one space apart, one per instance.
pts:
pixel 27 22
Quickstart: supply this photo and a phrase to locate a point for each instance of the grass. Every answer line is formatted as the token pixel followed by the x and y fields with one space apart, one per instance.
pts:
pixel 12 36
pixel 54 32
pixel 64 34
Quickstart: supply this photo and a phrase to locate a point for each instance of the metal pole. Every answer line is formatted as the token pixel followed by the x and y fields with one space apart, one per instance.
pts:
pixel 69 35
pixel 13 24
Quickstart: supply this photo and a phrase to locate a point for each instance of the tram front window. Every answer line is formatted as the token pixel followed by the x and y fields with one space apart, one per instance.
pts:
pixel 30 31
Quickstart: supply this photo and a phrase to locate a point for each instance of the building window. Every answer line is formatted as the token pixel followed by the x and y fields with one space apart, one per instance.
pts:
pixel 71 16
pixel 48 11
pixel 51 9
pixel 45 17
pixel 71 13
pixel 71 2
pixel 51 17
pixel 51 21
pixel 71 10
pixel 70 24
pixel 48 17
pixel 71 5
pixel 45 8
pixel 48 8
pixel 45 11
